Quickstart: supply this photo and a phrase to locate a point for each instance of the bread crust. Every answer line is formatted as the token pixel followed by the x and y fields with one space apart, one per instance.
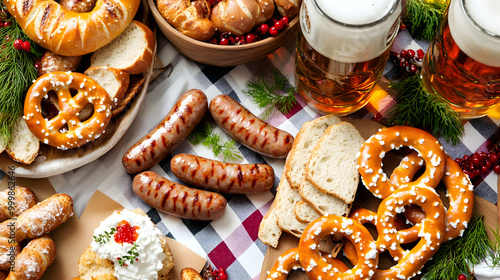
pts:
pixel 69 33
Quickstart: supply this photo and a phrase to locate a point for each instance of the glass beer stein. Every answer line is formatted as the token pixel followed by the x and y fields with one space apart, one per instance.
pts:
pixel 462 64
pixel 342 49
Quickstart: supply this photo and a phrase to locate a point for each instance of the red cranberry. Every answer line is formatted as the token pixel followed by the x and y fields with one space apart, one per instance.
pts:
pixel 7 23
pixel 462 277
pixel 413 69
pixel 264 28
pixel 224 41
pixel 279 25
pixel 26 46
pixel 410 53
pixel 420 53
pixel 403 53
pixel 250 38
pixel 496 169
pixel 285 20
pixel 37 65
pixel 273 31
pixel 1 24
pixel 484 169
pixel 18 44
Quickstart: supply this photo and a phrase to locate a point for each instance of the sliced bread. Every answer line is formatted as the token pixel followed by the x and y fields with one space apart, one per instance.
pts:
pixel 324 203
pixel 24 146
pixel 332 166
pixel 287 198
pixel 303 145
pixel 305 212
pixel 114 81
pixel 269 231
pixel 132 51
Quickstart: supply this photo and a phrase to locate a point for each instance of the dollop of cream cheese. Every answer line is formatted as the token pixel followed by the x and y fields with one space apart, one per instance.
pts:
pixel 485 270
pixel 151 255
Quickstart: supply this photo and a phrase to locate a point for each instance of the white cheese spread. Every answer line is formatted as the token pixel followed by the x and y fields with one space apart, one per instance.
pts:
pixel 141 259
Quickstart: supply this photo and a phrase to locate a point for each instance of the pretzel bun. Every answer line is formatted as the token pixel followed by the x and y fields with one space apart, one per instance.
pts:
pixel 69 33
pixel 237 17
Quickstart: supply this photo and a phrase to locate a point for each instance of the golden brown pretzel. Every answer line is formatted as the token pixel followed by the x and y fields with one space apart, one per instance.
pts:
pixel 69 33
pixel 317 267
pixel 374 149
pixel 431 231
pixel 66 130
pixel 34 259
pixel 460 192
pixel 14 201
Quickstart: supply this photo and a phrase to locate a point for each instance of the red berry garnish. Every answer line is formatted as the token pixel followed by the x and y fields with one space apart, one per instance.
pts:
pixel 462 277
pixel 264 28
pixel 413 69
pixel 420 53
pixel 37 65
pixel 18 44
pixel 403 53
pixel 224 41
pixel 410 53
pixel 1 24
pixel 250 38
pixel 26 46
pixel 496 169
pixel 279 25
pixel 285 20
pixel 273 31
pixel 7 23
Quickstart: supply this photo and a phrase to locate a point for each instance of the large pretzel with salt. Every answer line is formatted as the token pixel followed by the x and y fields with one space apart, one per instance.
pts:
pixel 431 231
pixel 289 261
pixel 374 149
pixel 70 33
pixel 66 130
pixel 460 193
pixel 317 267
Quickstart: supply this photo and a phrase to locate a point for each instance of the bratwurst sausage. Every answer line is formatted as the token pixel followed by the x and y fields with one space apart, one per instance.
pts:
pixel 223 177
pixel 248 129
pixel 177 125
pixel 176 199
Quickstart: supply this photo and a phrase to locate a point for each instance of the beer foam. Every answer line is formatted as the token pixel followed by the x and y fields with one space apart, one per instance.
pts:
pixel 355 12
pixel 471 40
pixel 347 43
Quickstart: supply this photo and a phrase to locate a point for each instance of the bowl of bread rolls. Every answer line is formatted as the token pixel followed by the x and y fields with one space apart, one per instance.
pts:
pixel 226 32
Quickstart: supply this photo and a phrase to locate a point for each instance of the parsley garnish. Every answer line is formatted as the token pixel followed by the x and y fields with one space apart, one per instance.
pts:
pixel 104 238
pixel 131 257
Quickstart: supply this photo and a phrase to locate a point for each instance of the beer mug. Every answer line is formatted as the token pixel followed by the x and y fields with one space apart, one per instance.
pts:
pixel 462 64
pixel 342 48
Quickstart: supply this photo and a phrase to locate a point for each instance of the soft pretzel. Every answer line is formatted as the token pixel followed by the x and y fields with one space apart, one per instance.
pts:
pixel 317 267
pixel 430 231
pixel 190 18
pixel 240 16
pixel 34 259
pixel 69 33
pixel 66 130
pixel 14 201
pixel 374 149
pixel 460 193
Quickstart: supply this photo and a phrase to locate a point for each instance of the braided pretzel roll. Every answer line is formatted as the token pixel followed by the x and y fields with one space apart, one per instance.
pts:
pixel 66 129
pixel 15 201
pixel 69 33
pixel 374 149
pixel 318 268
pixel 431 231
pixel 34 259
pixel 460 193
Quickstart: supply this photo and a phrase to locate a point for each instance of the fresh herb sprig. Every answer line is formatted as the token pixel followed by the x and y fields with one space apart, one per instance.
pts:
pixel 271 91
pixel 418 108
pixel 17 71
pixel 457 256
pixel 132 255
pixel 204 134
pixel 494 257
pixel 104 238
pixel 424 17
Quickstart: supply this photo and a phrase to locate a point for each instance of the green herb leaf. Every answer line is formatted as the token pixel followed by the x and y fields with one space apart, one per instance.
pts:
pixel 104 238
pixel 17 71
pixel 418 108
pixel 132 255
pixel 424 17
pixel 457 256
pixel 271 91
pixel 203 134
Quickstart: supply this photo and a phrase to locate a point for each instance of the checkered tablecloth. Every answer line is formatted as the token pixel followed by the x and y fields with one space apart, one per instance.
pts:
pixel 230 241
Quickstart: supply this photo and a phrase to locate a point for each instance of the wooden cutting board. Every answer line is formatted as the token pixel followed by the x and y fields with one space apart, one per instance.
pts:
pixel 367 128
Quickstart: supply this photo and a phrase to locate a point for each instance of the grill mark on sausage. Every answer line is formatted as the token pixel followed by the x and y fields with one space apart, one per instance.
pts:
pixel 184 198
pixel 239 175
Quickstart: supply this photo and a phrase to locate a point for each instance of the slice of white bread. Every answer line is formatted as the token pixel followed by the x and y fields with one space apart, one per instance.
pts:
pixel 24 146
pixel 132 51
pixel 287 198
pixel 92 267
pixel 269 231
pixel 305 212
pixel 332 166
pixel 324 203
pixel 114 81
pixel 303 145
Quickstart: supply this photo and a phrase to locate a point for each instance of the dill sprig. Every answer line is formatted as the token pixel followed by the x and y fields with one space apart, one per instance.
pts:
pixel 457 256
pixel 17 71
pixel 418 108
pixel 494 257
pixel 270 91
pixel 205 135
pixel 423 17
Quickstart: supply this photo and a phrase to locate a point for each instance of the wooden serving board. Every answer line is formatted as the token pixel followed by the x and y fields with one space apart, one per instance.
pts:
pixel 364 199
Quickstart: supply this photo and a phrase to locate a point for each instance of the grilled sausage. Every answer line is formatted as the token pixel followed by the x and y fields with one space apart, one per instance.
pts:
pixel 177 125
pixel 223 177
pixel 248 129
pixel 176 199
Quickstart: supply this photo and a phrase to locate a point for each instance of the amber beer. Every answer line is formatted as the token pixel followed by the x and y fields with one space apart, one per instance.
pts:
pixel 341 52
pixel 462 64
